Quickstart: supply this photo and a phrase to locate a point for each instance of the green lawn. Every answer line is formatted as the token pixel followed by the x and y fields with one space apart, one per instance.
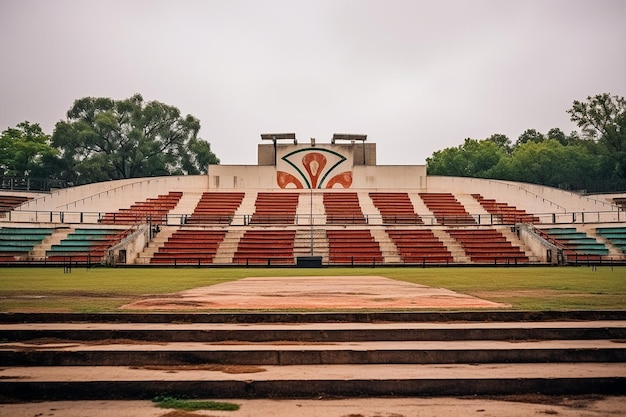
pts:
pixel 104 289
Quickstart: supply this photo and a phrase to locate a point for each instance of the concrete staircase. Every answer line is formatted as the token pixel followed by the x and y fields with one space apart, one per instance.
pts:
pixel 185 207
pixel 252 355
pixel 302 244
pixel 387 247
pixel 155 244
pixel 515 240
pixel 455 248
pixel 228 247
pixel 39 252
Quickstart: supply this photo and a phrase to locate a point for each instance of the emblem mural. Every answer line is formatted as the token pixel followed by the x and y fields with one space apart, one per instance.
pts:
pixel 314 168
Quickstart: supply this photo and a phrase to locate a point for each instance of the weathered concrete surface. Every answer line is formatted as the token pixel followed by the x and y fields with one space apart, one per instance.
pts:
pixel 311 381
pixel 350 292
pixel 133 353
pixel 519 406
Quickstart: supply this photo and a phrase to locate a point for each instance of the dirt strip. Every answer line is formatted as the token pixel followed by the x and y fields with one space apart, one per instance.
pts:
pixel 346 292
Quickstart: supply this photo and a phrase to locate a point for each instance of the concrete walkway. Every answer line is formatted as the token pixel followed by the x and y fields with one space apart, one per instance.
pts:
pixel 519 406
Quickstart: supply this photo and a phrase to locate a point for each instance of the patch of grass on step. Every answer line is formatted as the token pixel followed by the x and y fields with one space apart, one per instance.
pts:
pixel 193 405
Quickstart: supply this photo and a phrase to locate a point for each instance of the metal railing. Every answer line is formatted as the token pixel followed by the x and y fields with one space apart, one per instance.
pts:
pixel 83 217
pixel 31 184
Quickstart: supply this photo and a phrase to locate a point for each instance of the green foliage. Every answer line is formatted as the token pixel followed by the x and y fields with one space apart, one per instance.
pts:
pixel 105 139
pixel 26 151
pixel 530 136
pixel 475 158
pixel 502 141
pixel 549 163
pixel 603 119
pixel 554 159
pixel 193 405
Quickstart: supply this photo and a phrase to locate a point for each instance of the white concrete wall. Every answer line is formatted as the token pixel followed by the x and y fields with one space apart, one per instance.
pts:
pixel 112 195
pixel 537 246
pixel 371 177
pixel 242 176
pixel 84 204
pixel 390 177
pixel 133 245
pixel 533 198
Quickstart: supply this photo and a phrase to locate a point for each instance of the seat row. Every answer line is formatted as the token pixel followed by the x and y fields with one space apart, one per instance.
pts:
pixel 85 245
pixel 577 245
pixel 9 202
pixel 345 246
pixel 340 208
pixel 153 210
pixel 18 244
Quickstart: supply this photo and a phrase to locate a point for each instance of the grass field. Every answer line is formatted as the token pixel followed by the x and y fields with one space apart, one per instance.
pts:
pixel 105 290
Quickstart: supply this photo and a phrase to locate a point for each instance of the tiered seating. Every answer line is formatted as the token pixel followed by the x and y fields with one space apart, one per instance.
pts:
pixel 216 207
pixel 353 246
pixel 9 202
pixel 275 208
pixel 152 210
pixel 488 246
pixel 446 208
pixel 343 207
pixel 576 245
pixel 189 247
pixel 265 247
pixel 505 213
pixel 19 241
pixel 616 235
pixel 396 208
pixel 85 245
pixel 420 246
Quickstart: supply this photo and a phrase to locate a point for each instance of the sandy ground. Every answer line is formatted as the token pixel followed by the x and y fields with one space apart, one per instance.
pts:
pixel 363 292
pixel 577 406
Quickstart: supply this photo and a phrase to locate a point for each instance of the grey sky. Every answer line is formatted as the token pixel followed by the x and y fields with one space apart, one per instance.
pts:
pixel 415 76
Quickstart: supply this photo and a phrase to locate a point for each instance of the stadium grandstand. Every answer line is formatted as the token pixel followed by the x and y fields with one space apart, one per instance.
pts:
pixel 311 204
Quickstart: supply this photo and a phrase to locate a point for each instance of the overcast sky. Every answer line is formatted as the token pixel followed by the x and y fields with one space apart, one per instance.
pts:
pixel 415 76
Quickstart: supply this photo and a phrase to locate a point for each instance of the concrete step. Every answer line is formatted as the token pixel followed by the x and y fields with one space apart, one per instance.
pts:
pixel 62 352
pixel 300 381
pixel 535 318
pixel 316 332
pixel 248 355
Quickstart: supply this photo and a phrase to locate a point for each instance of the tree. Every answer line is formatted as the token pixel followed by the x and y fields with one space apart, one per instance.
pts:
pixel 558 135
pixel 603 119
pixel 550 163
pixel 105 139
pixel 475 158
pixel 503 141
pixel 26 151
pixel 529 135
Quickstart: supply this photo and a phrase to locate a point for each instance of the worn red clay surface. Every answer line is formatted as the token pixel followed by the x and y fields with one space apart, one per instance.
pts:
pixel 314 293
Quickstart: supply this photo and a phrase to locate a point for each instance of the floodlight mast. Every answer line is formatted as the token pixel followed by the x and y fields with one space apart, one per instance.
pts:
pixel 352 138
pixel 274 137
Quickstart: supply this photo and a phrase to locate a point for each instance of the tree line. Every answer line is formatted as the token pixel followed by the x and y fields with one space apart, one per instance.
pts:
pixel 592 160
pixel 104 139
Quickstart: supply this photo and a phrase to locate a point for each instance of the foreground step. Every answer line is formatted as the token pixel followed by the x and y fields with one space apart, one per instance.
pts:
pixel 317 332
pixel 316 317
pixel 130 353
pixel 83 383
pixel 243 356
